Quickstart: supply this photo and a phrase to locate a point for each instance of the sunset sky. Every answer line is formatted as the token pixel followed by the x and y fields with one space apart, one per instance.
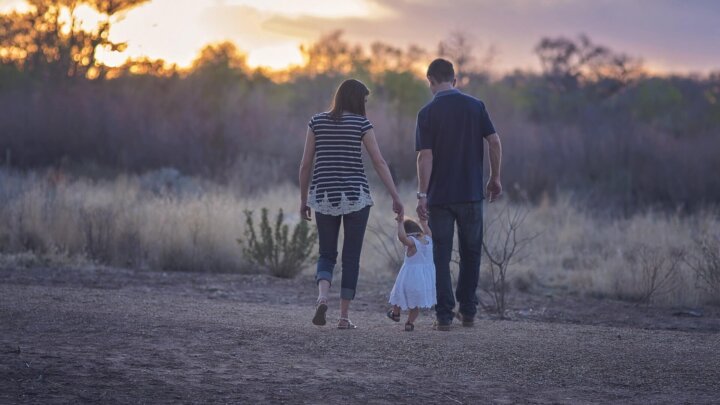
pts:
pixel 670 35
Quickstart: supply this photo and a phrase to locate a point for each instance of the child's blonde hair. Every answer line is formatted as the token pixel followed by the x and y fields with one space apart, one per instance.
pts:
pixel 411 226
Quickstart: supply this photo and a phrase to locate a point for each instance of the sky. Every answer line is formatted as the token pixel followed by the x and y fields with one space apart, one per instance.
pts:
pixel 669 35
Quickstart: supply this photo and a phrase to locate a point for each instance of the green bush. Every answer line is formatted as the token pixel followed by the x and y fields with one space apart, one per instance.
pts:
pixel 272 249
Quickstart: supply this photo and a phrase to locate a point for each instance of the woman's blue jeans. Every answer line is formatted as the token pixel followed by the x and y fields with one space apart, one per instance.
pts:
pixel 328 227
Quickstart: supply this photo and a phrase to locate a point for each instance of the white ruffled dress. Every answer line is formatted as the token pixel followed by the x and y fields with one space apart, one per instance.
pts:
pixel 415 283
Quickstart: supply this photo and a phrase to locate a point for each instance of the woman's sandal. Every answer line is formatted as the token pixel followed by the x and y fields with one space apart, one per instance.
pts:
pixel 409 327
pixel 320 310
pixel 392 315
pixel 344 323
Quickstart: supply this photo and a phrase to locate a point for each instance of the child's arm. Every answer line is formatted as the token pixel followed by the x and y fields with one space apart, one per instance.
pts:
pixel 402 236
pixel 426 228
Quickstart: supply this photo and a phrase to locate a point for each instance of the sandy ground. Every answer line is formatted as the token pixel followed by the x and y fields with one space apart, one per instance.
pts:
pixel 120 336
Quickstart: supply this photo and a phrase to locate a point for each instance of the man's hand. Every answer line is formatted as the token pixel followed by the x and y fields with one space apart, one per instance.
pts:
pixel 422 209
pixel 494 189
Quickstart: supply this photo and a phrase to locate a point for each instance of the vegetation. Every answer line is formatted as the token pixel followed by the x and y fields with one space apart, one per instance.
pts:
pixel 148 165
pixel 706 263
pixel 592 122
pixel 283 256
pixel 162 222
pixel 503 247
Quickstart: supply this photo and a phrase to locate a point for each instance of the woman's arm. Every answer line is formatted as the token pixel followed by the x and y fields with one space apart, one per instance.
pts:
pixel 382 170
pixel 304 173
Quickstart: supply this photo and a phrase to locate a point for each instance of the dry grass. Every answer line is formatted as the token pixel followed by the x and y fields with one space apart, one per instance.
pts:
pixel 169 222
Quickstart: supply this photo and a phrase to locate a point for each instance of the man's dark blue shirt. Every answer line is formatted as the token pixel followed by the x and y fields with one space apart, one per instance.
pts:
pixel 453 125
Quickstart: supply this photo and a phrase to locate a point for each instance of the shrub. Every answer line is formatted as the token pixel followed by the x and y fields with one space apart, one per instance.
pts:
pixel 658 271
pixel 284 257
pixel 706 264
pixel 503 246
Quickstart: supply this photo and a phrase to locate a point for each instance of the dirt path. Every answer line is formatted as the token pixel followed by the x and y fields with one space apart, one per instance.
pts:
pixel 128 337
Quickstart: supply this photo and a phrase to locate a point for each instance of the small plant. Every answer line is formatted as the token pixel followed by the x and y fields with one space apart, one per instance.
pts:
pixel 272 249
pixel 706 264
pixel 502 247
pixel 658 272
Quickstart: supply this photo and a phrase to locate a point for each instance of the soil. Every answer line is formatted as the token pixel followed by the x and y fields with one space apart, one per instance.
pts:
pixel 103 335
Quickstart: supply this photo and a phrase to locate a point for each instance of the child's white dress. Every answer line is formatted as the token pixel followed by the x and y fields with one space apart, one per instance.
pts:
pixel 415 283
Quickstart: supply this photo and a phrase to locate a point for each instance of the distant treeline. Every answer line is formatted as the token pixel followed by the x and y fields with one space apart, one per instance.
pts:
pixel 592 122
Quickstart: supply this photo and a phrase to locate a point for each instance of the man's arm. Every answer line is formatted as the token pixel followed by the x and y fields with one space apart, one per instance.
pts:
pixel 494 185
pixel 424 170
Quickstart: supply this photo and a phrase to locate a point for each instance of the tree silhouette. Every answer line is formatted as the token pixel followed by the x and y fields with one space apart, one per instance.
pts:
pixel 460 48
pixel 49 40
pixel 332 54
pixel 223 58
pixel 568 63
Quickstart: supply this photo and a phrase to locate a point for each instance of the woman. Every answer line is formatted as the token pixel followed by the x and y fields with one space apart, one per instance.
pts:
pixel 339 191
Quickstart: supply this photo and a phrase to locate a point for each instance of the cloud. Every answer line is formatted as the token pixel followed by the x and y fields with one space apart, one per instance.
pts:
pixel 668 34
pixel 673 34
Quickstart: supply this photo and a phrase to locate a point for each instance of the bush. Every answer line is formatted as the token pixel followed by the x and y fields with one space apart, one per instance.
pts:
pixel 706 264
pixel 658 270
pixel 284 257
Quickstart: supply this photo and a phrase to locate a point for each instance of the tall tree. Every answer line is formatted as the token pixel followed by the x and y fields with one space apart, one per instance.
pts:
pixel 568 63
pixel 50 41
pixel 332 54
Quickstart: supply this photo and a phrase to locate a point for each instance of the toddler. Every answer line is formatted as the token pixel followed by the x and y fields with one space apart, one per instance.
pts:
pixel 415 284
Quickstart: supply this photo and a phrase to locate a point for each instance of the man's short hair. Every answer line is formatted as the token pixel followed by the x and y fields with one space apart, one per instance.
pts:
pixel 441 70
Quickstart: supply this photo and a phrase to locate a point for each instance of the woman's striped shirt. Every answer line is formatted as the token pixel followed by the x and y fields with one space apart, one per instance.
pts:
pixel 339 185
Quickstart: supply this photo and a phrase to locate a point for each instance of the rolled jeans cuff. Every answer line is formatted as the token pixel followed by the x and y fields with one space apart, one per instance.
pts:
pixel 347 293
pixel 323 275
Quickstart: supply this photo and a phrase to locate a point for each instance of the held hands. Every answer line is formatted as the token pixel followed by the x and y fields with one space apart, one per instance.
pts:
pixel 494 189
pixel 398 209
pixel 422 209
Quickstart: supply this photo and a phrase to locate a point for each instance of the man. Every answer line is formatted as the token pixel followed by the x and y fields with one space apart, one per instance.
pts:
pixel 449 140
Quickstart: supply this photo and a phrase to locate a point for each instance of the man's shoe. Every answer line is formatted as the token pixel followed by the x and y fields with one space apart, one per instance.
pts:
pixel 442 326
pixel 467 321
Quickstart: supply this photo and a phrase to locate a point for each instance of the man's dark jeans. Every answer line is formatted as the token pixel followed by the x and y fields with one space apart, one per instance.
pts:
pixel 328 226
pixel 470 230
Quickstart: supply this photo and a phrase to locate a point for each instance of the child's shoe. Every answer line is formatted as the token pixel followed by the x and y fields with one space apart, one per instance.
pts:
pixel 394 316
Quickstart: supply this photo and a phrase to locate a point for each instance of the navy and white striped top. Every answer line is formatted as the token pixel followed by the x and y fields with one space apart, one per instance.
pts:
pixel 339 185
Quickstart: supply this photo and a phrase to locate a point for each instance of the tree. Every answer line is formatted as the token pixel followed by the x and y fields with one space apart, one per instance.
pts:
pixel 49 40
pixel 459 48
pixel 144 66
pixel 332 54
pixel 568 63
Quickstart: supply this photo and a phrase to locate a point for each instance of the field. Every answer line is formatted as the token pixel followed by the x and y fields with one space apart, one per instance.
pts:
pixel 135 290
pixel 134 187
pixel 164 221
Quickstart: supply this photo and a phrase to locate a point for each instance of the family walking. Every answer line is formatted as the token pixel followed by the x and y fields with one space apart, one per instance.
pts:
pixel 450 135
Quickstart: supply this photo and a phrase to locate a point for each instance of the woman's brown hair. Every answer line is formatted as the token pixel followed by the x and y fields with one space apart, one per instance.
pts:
pixel 349 97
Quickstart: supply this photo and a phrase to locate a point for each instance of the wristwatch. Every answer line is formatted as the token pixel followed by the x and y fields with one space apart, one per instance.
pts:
pixel 421 195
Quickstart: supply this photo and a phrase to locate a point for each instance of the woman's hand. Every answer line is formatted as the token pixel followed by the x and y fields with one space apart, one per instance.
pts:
pixel 398 209
pixel 305 211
